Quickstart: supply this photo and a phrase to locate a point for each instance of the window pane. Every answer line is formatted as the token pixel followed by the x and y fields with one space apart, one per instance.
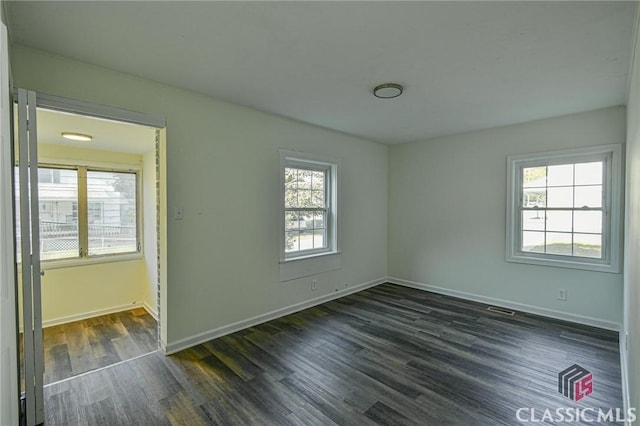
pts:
pixel 588 221
pixel 317 198
pixel 112 224
pixel 534 177
pixel 306 239
pixel 588 196
pixel 306 208
pixel 589 173
pixel 560 221
pixel 292 221
pixel 587 245
pixel 318 238
pixel 560 197
pixel 317 220
pixel 292 240
pixel 58 195
pixel 291 197
pixel 561 175
pixel 533 220
pixel 305 198
pixel 304 179
pixel 533 241
pixel 558 243
pixel 318 180
pixel 290 176
pixel 534 197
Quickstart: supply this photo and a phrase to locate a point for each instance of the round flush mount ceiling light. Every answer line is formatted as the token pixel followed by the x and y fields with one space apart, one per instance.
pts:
pixel 387 90
pixel 77 136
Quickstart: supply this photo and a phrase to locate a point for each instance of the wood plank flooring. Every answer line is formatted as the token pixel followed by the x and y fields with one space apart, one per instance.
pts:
pixel 80 346
pixel 388 355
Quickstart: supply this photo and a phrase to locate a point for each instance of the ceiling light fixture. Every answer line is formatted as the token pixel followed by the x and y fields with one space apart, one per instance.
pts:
pixel 77 136
pixel 387 90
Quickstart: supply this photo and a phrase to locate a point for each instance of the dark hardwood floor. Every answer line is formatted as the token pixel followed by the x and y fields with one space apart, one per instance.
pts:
pixel 387 355
pixel 80 346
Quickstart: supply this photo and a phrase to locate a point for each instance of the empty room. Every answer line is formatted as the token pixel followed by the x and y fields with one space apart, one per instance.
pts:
pixel 319 213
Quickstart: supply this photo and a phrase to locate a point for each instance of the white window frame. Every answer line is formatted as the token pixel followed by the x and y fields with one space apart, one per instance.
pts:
pixel 611 155
pixel 331 165
pixel 98 166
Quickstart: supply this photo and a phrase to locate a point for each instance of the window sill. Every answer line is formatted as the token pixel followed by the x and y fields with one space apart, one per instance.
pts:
pixel 314 264
pixel 310 256
pixel 563 263
pixel 77 262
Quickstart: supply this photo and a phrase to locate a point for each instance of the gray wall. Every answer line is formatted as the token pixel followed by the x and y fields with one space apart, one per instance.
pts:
pixel 447 200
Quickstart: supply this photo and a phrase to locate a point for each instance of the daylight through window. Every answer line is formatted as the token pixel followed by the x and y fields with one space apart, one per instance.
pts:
pixel 308 208
pixel 85 213
pixel 564 208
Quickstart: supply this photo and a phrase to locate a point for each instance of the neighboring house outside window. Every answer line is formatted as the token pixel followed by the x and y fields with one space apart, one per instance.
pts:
pixel 86 212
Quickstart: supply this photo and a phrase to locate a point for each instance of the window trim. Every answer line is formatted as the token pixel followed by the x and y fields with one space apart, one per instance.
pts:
pixel 290 158
pixel 97 166
pixel 612 208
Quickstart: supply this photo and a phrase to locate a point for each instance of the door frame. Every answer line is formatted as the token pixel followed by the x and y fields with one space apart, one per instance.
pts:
pixel 73 106
pixel 9 363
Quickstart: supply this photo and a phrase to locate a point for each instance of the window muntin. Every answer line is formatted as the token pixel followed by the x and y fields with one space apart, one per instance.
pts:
pixel 306 209
pixel 564 208
pixel 112 211
pixel 561 209
pixel 58 196
pixel 107 231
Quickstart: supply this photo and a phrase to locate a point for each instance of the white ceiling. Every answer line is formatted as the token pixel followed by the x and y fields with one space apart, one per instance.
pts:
pixel 464 65
pixel 107 135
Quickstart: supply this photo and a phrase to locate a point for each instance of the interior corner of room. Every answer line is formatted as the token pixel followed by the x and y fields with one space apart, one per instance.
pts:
pixel 428 208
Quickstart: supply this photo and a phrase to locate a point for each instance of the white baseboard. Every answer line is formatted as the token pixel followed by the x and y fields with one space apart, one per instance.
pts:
pixel 545 312
pixel 91 314
pixel 196 339
pixel 150 310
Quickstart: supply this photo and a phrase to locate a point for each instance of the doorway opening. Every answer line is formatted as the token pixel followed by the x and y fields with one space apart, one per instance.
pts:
pixel 99 206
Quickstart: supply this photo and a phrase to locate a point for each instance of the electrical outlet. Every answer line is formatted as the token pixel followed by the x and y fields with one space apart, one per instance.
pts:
pixel 314 285
pixel 562 294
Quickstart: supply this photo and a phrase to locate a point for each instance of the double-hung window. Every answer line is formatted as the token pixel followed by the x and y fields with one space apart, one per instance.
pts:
pixel 564 208
pixel 87 212
pixel 309 207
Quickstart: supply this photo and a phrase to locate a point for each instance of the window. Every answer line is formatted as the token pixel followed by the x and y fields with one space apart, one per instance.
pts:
pixel 86 213
pixel 564 209
pixel 309 207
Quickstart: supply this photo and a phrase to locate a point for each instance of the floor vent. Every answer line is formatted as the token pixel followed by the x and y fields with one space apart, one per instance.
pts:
pixel 502 311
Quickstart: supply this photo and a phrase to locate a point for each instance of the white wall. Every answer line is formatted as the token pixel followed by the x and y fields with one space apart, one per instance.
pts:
pixel 223 168
pixel 447 200
pixel 150 287
pixel 632 230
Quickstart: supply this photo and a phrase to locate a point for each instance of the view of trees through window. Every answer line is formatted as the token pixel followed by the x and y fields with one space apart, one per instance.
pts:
pixel 305 209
